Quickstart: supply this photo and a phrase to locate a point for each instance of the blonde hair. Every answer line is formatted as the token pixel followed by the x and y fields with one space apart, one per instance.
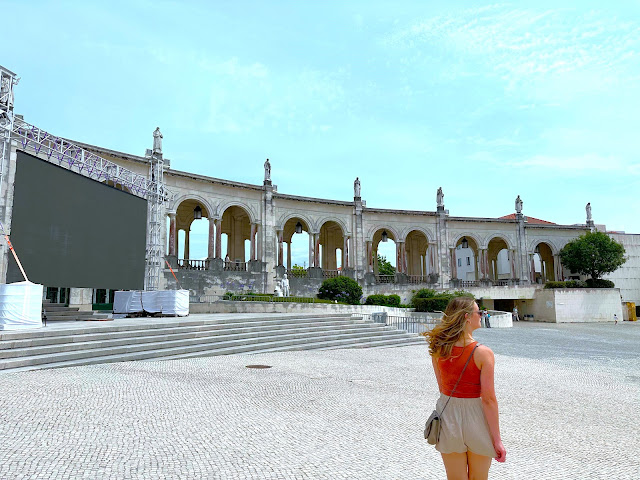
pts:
pixel 451 327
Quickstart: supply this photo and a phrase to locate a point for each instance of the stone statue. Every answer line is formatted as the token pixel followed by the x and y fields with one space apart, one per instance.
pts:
pixel 157 141
pixel 518 205
pixel 440 197
pixel 588 209
pixel 356 188
pixel 6 94
pixel 284 285
pixel 267 171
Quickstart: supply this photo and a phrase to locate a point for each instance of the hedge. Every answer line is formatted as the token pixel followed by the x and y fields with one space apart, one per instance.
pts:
pixel 384 300
pixel 590 283
pixel 342 289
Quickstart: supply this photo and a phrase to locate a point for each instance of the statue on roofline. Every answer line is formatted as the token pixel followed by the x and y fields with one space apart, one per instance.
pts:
pixel 588 209
pixel 440 197
pixel 267 171
pixel 518 205
pixel 157 141
pixel 356 188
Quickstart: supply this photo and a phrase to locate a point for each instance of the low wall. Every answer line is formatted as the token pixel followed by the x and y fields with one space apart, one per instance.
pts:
pixel 498 319
pixel 577 305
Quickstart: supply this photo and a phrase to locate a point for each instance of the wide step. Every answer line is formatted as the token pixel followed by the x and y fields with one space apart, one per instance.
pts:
pixel 191 337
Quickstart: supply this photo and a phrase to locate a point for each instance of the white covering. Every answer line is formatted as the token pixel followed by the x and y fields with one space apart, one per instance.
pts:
pixel 20 306
pixel 166 302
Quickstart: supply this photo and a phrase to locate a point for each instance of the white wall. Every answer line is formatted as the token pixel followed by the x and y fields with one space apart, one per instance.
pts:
pixel 577 305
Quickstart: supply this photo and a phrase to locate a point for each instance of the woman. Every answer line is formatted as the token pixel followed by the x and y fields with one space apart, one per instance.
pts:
pixel 470 430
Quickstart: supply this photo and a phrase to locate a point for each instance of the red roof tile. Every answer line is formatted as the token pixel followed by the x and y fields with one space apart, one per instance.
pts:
pixel 512 216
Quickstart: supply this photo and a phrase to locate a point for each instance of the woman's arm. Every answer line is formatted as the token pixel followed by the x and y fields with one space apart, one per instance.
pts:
pixel 489 401
pixel 434 362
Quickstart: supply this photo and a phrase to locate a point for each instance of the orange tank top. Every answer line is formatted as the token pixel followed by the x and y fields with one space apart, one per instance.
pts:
pixel 450 368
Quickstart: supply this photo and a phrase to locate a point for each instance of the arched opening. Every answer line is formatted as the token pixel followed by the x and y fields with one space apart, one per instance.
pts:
pixel 383 255
pixel 417 257
pixel 236 227
pixel 500 266
pixel 189 238
pixel 542 264
pixel 331 241
pixel 465 261
pixel 294 247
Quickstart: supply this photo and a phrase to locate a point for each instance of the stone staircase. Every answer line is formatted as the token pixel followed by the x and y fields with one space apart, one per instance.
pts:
pixel 160 338
pixel 59 311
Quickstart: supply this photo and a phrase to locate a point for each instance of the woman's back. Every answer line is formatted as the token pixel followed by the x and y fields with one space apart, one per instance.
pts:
pixel 450 368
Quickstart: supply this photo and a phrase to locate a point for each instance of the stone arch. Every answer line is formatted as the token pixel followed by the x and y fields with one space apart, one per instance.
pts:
pixel 427 233
pixel 343 226
pixel 282 222
pixel 393 233
pixel 537 241
pixel 222 207
pixel 502 237
pixel 543 261
pixel 210 211
pixel 236 223
pixel 499 261
pixel 417 261
pixel 330 239
pixel 466 261
pixel 373 247
pixel 459 237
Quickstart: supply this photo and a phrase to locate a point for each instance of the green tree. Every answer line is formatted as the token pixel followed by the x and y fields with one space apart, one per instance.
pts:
pixel 341 288
pixel 593 254
pixel 384 267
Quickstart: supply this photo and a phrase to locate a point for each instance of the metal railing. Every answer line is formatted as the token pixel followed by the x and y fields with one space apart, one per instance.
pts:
pixel 418 279
pixel 385 279
pixel 251 298
pixel 235 266
pixel 412 322
pixel 187 264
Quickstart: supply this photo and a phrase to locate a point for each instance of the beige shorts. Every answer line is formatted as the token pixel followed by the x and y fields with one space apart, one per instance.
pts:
pixel 464 427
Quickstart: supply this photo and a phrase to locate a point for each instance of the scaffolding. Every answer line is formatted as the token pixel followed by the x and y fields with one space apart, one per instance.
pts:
pixel 64 153
pixel 8 80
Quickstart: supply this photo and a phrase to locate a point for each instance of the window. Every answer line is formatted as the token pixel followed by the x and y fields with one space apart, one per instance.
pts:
pixel 468 260
pixel 459 262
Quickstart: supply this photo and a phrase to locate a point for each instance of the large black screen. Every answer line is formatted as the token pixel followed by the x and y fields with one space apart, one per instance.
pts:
pixel 71 231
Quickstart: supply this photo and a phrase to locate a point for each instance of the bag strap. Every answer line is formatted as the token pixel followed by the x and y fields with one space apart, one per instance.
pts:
pixel 460 377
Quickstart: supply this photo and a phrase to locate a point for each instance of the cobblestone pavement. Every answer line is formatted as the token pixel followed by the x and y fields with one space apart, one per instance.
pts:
pixel 568 396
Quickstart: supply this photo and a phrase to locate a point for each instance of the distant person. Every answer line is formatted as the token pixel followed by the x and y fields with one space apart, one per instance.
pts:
pixel 615 319
pixel 470 429
pixel 487 319
pixel 483 319
pixel 516 317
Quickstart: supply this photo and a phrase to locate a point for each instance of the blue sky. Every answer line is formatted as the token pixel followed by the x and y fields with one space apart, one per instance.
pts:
pixel 488 100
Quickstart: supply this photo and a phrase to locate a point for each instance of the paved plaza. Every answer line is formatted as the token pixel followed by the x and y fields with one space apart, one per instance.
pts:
pixel 569 399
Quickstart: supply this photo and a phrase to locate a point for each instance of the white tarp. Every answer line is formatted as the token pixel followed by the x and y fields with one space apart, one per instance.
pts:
pixel 20 306
pixel 165 302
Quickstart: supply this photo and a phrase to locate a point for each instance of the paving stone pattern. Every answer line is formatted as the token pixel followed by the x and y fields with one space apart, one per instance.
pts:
pixel 568 396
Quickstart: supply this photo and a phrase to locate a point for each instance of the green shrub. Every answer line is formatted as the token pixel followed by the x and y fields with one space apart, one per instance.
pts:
pixel 436 302
pixel 599 283
pixel 342 289
pixel 384 300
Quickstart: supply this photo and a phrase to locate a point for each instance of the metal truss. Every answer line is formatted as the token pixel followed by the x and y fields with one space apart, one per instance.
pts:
pixel 155 200
pixel 8 80
pixel 61 152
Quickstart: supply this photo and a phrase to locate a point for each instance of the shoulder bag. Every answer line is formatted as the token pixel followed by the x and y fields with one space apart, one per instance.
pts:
pixel 432 427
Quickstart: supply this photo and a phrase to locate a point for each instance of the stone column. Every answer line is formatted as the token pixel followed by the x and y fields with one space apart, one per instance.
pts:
pixel 280 248
pixel 454 265
pixel 369 257
pixel 557 268
pixel 532 277
pixel 445 265
pixel 512 262
pixel 523 271
pixel 359 252
pixel 267 243
pixel 316 250
pixel 432 264
pixel 212 239
pixel 485 261
pixel 218 224
pixel 254 229
pixel 345 253
pixel 311 248
pixel 289 256
pixel 173 235
pixel 186 243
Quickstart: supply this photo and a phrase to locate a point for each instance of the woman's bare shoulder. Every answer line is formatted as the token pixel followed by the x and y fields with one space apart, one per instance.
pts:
pixel 484 352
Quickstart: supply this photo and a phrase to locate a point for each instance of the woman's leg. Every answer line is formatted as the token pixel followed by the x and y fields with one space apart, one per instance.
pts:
pixel 478 466
pixel 456 465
